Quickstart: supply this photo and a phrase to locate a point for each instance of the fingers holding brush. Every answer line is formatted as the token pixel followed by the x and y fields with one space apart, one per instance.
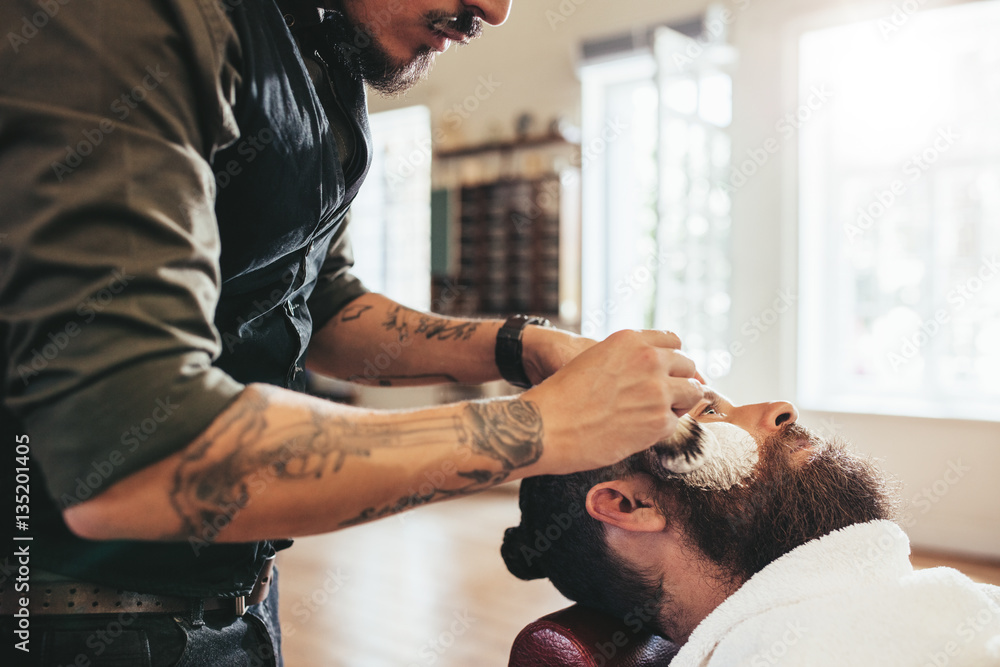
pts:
pixel 690 445
pixel 615 398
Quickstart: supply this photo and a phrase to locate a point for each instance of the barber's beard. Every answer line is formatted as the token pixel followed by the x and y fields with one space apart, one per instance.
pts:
pixel 378 69
pixel 391 78
pixel 784 504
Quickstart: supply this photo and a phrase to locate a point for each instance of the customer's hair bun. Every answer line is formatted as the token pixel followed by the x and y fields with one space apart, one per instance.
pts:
pixel 523 561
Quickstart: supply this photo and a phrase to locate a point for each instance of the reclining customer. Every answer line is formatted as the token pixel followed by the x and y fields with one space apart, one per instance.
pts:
pixel 780 551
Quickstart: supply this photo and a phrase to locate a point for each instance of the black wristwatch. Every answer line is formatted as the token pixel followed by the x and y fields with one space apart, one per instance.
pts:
pixel 509 348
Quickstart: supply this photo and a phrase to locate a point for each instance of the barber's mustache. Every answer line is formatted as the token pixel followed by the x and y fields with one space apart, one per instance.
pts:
pixel 466 23
pixel 469 24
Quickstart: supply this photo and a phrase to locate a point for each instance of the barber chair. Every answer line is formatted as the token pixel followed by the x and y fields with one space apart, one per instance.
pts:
pixel 581 637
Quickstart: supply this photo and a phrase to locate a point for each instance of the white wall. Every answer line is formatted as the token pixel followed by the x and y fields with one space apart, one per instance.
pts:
pixel 951 498
pixel 532 58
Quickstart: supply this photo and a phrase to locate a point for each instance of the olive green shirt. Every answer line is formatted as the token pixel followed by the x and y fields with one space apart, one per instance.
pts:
pixel 110 113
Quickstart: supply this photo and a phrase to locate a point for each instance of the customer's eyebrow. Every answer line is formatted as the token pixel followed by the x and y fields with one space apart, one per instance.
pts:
pixel 711 396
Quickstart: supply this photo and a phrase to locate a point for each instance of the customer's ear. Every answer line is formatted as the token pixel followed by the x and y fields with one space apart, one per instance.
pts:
pixel 625 503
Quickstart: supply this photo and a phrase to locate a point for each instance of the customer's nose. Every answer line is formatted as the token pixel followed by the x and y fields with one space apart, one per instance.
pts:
pixel 493 12
pixel 777 414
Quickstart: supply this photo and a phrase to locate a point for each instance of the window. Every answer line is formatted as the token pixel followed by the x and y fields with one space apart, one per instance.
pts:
pixel 899 190
pixel 655 158
pixel 391 216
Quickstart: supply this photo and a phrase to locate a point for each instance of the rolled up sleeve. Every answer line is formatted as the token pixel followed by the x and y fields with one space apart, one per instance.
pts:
pixel 109 246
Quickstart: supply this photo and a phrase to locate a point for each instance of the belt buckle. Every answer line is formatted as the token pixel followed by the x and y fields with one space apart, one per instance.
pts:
pixel 241 605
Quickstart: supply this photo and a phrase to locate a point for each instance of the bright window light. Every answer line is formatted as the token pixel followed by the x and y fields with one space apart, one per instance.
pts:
pixel 656 213
pixel 391 216
pixel 899 190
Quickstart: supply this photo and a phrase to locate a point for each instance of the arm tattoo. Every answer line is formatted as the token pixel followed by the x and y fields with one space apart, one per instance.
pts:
pixel 353 312
pixel 481 480
pixel 508 431
pixel 399 319
pixel 213 482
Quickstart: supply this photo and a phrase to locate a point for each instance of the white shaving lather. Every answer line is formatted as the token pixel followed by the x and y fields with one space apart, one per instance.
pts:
pixel 733 460
pixel 688 448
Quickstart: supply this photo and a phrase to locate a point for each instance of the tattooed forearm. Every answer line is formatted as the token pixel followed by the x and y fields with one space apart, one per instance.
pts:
pixel 481 480
pixel 509 431
pixel 250 448
pixel 353 312
pixel 211 486
pixel 406 322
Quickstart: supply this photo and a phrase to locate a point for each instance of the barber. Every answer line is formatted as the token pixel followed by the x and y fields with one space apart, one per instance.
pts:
pixel 177 176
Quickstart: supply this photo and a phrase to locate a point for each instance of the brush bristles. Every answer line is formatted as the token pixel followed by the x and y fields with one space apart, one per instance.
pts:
pixel 687 449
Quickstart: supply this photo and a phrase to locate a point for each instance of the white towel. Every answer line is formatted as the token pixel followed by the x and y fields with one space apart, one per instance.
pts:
pixel 851 599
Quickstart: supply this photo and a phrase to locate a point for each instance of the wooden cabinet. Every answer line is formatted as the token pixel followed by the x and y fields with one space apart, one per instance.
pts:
pixel 507 241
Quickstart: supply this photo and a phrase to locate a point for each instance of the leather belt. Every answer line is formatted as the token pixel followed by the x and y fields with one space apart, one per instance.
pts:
pixel 72 597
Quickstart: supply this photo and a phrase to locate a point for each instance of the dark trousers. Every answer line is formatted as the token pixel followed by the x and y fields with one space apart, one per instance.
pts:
pixel 215 639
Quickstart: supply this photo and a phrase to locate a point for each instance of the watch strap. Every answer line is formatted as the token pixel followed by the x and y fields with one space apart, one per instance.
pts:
pixel 509 348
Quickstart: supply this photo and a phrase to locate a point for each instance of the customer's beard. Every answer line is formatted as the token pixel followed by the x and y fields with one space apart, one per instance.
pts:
pixel 783 505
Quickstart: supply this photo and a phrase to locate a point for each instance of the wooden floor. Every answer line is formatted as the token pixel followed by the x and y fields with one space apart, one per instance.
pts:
pixel 427 588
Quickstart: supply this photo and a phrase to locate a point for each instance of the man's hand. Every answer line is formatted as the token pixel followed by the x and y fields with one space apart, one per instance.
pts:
pixel 616 398
pixel 547 350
